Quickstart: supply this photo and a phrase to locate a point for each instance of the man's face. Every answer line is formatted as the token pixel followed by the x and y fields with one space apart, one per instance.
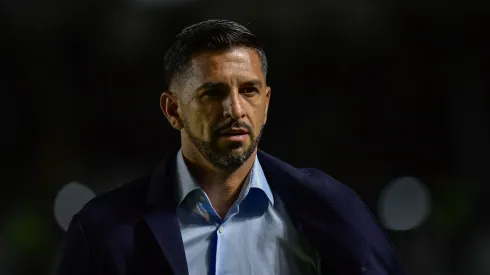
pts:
pixel 222 103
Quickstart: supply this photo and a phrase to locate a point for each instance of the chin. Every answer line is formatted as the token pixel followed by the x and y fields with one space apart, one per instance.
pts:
pixel 229 158
pixel 236 147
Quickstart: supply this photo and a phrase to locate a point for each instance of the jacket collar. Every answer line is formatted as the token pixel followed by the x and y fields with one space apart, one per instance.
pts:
pixel 161 192
pixel 325 228
pixel 162 203
pixel 162 217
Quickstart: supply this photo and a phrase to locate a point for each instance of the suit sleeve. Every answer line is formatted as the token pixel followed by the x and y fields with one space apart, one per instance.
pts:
pixel 75 259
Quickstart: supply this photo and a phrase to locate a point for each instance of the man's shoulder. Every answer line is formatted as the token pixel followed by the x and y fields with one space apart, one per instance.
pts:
pixel 326 186
pixel 318 179
pixel 310 178
pixel 347 209
pixel 350 213
pixel 336 195
pixel 314 187
pixel 120 204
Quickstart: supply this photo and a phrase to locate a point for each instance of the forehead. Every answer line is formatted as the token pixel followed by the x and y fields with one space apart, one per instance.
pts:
pixel 237 64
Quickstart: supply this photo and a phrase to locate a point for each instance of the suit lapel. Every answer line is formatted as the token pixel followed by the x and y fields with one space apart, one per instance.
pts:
pixel 165 228
pixel 323 226
pixel 162 218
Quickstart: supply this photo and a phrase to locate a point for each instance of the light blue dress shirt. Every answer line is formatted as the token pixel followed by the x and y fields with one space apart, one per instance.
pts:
pixel 256 237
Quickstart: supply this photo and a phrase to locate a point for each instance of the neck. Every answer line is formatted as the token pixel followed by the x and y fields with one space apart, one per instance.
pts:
pixel 222 187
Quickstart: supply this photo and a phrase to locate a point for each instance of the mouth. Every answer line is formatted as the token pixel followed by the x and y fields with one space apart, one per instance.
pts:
pixel 234 132
pixel 237 134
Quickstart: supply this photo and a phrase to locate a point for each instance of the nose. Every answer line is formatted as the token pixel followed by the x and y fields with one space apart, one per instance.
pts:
pixel 234 106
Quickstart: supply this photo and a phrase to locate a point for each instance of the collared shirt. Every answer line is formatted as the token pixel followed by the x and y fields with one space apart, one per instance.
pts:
pixel 256 237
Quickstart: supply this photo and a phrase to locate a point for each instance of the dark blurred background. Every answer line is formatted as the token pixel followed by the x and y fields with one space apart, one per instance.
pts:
pixel 389 97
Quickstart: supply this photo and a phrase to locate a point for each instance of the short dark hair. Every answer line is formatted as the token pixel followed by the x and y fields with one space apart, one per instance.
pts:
pixel 209 35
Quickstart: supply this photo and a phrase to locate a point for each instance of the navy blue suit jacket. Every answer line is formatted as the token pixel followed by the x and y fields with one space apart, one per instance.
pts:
pixel 134 228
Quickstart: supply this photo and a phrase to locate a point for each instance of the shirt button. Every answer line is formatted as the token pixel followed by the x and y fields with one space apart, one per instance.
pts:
pixel 201 199
pixel 220 229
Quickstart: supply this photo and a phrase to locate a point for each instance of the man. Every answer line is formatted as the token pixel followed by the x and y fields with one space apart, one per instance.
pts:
pixel 218 205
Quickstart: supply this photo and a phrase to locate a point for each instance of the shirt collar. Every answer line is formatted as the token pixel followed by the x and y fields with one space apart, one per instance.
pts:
pixel 186 182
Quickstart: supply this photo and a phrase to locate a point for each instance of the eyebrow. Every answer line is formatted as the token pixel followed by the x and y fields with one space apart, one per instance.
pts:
pixel 254 82
pixel 211 85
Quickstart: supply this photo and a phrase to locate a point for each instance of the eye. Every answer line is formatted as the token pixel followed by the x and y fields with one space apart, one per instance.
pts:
pixel 213 93
pixel 249 90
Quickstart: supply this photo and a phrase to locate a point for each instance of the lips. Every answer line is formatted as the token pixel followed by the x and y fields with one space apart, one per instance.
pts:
pixel 234 132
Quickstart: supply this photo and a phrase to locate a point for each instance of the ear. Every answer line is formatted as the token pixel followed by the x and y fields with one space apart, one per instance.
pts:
pixel 170 108
pixel 267 100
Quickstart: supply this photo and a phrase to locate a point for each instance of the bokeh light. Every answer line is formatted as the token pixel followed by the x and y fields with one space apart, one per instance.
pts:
pixel 70 199
pixel 404 204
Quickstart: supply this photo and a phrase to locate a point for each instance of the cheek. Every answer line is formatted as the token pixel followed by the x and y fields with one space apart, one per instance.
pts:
pixel 259 116
pixel 202 123
pixel 191 120
pixel 211 115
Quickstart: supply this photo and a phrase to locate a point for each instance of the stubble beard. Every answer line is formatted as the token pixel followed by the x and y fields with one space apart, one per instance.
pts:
pixel 227 161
